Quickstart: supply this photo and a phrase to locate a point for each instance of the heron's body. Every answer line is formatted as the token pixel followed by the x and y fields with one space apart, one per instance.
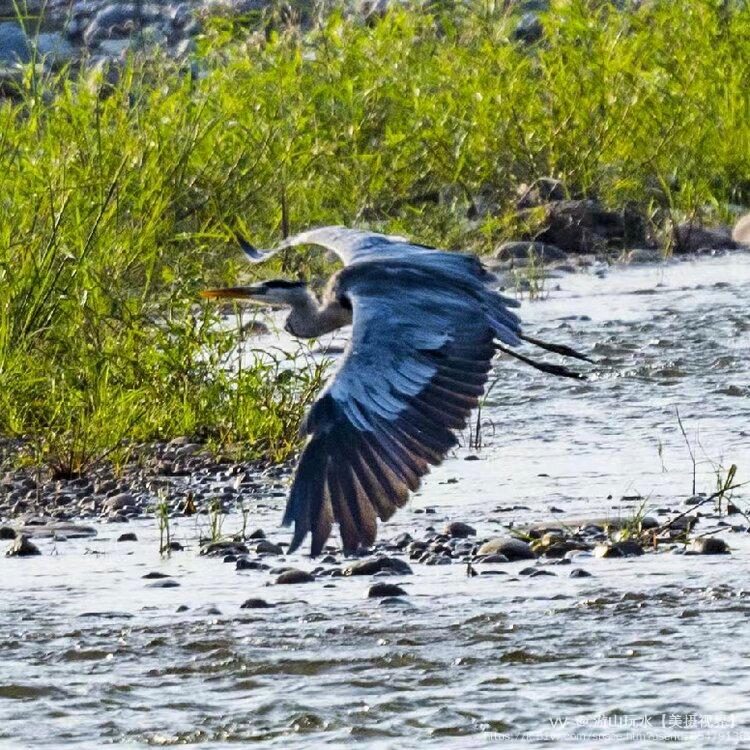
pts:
pixel 426 325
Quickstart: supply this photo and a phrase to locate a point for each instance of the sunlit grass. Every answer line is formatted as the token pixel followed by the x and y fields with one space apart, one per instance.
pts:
pixel 119 194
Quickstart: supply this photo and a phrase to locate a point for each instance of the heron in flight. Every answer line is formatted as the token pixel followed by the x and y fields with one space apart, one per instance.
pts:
pixel 425 327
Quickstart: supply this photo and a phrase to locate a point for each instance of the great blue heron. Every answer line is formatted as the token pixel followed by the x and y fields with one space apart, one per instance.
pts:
pixel 426 324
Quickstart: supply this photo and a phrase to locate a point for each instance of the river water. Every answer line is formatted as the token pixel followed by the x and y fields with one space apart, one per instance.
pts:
pixel 646 651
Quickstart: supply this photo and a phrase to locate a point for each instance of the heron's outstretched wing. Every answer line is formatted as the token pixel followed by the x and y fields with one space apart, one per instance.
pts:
pixel 421 349
pixel 351 245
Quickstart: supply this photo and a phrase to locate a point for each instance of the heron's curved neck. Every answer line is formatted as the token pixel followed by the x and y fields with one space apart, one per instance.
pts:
pixel 310 319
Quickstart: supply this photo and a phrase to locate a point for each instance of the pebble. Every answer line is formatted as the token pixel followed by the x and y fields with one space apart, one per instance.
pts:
pixel 22 547
pixel 294 575
pixel 244 564
pixel 494 558
pixel 380 589
pixel 256 603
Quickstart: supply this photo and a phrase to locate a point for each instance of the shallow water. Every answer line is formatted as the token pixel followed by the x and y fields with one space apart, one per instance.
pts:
pixel 647 649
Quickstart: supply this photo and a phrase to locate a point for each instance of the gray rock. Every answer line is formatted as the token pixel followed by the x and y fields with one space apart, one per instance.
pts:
pixel 741 231
pixel 118 20
pixel 494 558
pixel 244 564
pixel 381 589
pixel 692 238
pixel 22 547
pixel 256 603
pixel 128 536
pixel 266 547
pixel 513 549
pixel 54 48
pixel 709 545
pixel 224 547
pixel 6 532
pixel 579 573
pixel 121 501
pixel 375 565
pixel 167 583
pixel 294 575
pixel 585 226
pixel 14 44
pixel 459 530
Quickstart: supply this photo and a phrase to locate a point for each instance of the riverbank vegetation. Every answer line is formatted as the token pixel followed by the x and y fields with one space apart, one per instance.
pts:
pixel 121 188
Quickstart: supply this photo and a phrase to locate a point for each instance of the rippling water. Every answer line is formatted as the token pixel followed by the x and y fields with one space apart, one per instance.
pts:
pixel 646 647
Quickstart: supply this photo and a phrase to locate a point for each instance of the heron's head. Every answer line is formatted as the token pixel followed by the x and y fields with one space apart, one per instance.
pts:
pixel 275 292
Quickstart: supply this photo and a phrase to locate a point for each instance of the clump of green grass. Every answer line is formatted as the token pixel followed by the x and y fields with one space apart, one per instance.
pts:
pixel 120 190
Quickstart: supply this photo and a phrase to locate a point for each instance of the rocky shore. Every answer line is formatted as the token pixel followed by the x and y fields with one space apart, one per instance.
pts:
pixel 60 32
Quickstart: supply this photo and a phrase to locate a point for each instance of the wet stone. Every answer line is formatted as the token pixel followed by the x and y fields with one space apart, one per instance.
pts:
pixel 402 541
pixel 155 574
pixel 168 583
pixel 709 545
pixel 244 564
pixel 459 530
pixel 493 559
pixel 579 573
pixel 22 547
pixel 626 548
pixel 264 547
pixel 378 565
pixel 217 549
pixel 294 575
pixel 513 549
pixel 256 603
pixel 380 589
pixel 127 537
pixel 6 532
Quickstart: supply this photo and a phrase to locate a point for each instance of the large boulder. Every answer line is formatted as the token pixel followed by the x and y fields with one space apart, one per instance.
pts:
pixel 585 226
pixel 14 44
pixel 690 237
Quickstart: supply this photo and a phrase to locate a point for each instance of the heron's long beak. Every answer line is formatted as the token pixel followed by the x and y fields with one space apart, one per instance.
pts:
pixel 235 292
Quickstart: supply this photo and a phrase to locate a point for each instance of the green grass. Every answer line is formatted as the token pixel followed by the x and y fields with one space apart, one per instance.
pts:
pixel 118 199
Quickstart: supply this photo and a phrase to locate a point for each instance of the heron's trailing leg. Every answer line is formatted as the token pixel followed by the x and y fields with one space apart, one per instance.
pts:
pixel 566 351
pixel 559 370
